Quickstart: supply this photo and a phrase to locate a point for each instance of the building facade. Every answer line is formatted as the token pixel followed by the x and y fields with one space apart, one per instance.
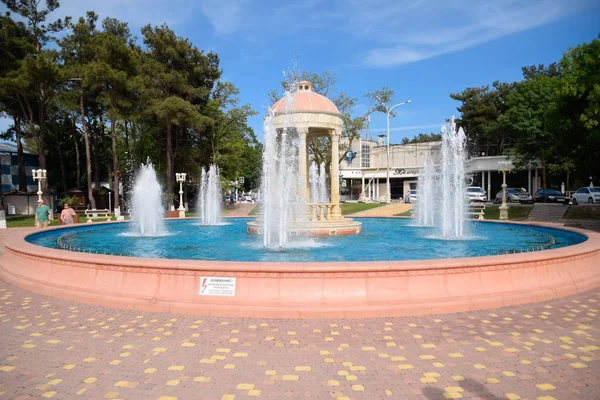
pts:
pixel 365 168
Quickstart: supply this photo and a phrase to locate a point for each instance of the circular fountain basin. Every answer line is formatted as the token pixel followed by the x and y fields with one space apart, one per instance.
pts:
pixel 392 269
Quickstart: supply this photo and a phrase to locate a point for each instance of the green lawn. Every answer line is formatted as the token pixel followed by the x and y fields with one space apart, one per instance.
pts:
pixel 514 212
pixel 253 211
pixel 28 221
pixel 351 208
pixel 407 213
pixel 583 212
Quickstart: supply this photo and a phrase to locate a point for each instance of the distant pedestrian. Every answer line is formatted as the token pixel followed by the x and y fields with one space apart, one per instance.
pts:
pixel 43 215
pixel 67 215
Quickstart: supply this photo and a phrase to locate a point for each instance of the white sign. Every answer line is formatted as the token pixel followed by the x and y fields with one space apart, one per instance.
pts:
pixel 217 286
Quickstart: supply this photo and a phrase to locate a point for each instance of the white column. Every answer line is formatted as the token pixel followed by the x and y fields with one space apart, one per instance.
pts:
pixel 489 188
pixel 377 187
pixel 362 191
pixel 483 180
pixel 336 212
pixel 535 183
pixel 302 164
pixel 529 180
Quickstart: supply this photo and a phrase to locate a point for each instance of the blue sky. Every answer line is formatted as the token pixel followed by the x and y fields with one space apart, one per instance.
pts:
pixel 422 49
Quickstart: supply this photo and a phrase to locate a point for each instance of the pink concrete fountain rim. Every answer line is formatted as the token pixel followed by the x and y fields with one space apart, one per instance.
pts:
pixel 18 244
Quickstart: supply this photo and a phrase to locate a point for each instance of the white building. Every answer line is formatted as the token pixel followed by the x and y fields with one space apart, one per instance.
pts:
pixel 365 168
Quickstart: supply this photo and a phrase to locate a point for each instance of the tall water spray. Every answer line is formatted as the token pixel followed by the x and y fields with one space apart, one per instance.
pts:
pixel 209 196
pixel 147 203
pixel 283 198
pixel 318 183
pixel 442 186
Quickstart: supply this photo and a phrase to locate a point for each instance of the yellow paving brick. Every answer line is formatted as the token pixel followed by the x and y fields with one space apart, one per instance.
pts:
pixel 173 382
pixel 455 355
pixel 270 372
pixel 54 382
pixel 290 377
pixel 405 366
pixel 428 380
pixel 228 397
pixel 545 386
pixel 358 388
pixel 240 355
pixel 254 393
pixel 432 374
pixel 69 366
pixel 351 377
pixel 7 368
pixel 167 398
pixel 111 395
pixel 245 386
pixel 545 398
pixel 333 383
pixel 578 365
pixel 508 373
pixel 81 391
pixel 302 368
pixel 458 378
pixel 479 366
pixel 512 396
pixel 454 389
pixel 453 395
pixel 89 359
pixel 90 380
pixel 49 394
pixel 493 380
pixel 229 366
pixel 176 368
pixel 388 392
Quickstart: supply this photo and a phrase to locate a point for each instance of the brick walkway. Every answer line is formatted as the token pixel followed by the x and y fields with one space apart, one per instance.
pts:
pixel 53 348
pixel 389 210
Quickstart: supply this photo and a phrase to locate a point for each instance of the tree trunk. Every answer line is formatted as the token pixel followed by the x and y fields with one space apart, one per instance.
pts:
pixel 76 142
pixel 115 163
pixel 170 174
pixel 96 150
pixel 543 161
pixel 63 177
pixel 88 157
pixel 20 157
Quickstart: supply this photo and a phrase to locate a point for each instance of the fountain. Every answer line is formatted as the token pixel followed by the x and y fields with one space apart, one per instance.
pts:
pixel 280 179
pixel 287 209
pixel 147 209
pixel 318 184
pixel 441 187
pixel 209 196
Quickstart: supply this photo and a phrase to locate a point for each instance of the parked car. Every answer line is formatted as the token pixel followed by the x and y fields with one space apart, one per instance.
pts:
pixel 475 193
pixel 588 195
pixel 550 196
pixel 514 195
pixel 411 196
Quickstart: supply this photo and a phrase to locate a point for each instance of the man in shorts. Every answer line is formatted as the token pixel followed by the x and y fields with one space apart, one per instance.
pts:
pixel 43 215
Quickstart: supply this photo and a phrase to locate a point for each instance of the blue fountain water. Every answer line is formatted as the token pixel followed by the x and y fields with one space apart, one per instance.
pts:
pixel 381 240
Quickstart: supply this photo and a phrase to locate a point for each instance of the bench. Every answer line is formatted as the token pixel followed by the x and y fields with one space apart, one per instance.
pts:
pixel 91 214
pixel 475 210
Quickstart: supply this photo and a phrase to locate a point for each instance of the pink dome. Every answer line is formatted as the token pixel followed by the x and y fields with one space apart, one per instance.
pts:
pixel 306 100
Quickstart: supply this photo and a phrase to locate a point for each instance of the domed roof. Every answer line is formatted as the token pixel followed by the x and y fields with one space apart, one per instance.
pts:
pixel 305 100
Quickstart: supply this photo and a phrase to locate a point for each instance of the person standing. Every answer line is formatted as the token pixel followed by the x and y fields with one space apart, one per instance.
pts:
pixel 43 215
pixel 67 215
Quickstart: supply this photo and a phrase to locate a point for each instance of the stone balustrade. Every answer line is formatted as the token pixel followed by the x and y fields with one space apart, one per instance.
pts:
pixel 320 211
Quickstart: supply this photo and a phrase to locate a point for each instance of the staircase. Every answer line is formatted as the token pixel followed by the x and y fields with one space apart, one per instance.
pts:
pixel 547 212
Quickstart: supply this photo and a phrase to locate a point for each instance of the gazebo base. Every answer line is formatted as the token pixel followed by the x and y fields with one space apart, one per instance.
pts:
pixel 345 226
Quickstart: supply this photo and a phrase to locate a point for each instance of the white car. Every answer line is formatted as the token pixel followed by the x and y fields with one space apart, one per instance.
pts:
pixel 411 196
pixel 475 193
pixel 588 195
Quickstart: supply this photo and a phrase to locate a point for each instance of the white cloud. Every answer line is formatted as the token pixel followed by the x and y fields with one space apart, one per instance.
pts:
pixel 407 128
pixel 434 27
pixel 224 15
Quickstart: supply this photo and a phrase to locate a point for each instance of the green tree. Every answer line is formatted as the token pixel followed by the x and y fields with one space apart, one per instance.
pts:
pixel 480 109
pixel 423 138
pixel 179 79
pixel 39 73
pixel 526 118
pixel 114 72
pixel 577 110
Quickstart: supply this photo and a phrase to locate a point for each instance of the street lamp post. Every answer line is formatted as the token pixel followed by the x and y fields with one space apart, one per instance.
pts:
pixel 180 177
pixel 39 175
pixel 504 167
pixel 388 111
